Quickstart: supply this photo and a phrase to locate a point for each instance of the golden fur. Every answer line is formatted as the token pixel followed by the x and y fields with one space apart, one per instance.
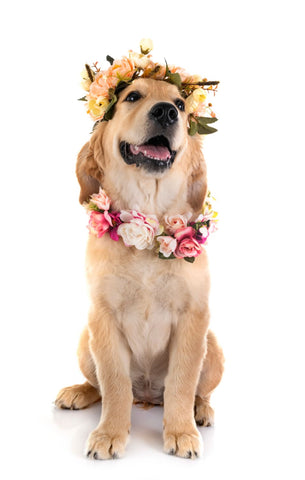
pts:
pixel 147 337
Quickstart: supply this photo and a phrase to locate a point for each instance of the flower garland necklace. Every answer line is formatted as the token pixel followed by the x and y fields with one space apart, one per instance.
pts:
pixel 179 238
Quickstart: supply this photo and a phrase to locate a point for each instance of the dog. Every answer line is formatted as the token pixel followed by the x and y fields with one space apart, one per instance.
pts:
pixel 147 338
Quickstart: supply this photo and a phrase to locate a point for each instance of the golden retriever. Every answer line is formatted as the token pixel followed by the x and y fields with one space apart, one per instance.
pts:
pixel 147 338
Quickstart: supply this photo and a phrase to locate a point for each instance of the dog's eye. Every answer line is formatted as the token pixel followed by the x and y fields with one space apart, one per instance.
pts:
pixel 180 104
pixel 133 97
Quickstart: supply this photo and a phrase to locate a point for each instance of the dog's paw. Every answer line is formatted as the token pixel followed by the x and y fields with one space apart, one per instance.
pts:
pixel 103 446
pixel 77 397
pixel 204 413
pixel 187 444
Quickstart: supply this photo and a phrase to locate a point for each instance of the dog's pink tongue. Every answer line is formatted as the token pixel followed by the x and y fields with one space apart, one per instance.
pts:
pixel 153 151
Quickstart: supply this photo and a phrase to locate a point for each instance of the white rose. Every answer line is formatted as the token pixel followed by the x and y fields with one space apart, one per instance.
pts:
pixel 139 235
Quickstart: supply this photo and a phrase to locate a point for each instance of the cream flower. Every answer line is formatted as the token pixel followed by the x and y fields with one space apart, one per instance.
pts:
pixel 146 45
pixel 140 236
pixel 86 82
pixel 167 245
pixel 154 223
pixel 139 60
pixel 195 100
pixel 199 95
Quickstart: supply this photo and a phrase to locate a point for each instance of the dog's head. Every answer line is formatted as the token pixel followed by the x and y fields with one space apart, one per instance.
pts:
pixel 146 138
pixel 151 125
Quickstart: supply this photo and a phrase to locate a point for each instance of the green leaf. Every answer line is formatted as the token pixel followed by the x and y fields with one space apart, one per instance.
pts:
pixel 189 259
pixel 166 258
pixel 205 129
pixel 204 120
pixel 110 59
pixel 193 128
pixel 110 109
pixel 173 77
pixel 83 99
pixel 197 226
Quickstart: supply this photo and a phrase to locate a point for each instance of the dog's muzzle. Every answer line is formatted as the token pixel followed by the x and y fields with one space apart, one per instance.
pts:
pixel 155 155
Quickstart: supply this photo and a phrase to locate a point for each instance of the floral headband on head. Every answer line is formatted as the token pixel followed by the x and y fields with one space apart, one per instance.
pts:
pixel 103 87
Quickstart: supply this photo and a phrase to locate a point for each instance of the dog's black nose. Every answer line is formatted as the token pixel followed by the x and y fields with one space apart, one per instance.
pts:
pixel 164 113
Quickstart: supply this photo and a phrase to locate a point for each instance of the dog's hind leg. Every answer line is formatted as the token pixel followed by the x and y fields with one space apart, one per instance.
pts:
pixel 81 396
pixel 77 397
pixel 211 373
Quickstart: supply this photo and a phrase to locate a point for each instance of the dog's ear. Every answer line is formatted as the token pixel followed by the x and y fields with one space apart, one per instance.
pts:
pixel 197 178
pixel 89 169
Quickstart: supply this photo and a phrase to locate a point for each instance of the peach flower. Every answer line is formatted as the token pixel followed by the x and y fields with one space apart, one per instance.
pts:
pixel 174 222
pixel 101 85
pixel 150 72
pixel 122 70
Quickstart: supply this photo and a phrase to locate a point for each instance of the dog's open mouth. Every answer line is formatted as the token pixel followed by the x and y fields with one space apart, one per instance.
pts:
pixel 155 154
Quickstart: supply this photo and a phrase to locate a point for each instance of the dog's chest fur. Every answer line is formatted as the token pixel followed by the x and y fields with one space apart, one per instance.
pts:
pixel 147 301
pixel 147 310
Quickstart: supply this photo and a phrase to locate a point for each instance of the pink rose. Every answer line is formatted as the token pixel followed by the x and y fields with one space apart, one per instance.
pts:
pixel 114 220
pixel 98 224
pixel 132 216
pixel 101 200
pixel 167 245
pixel 182 233
pixel 188 247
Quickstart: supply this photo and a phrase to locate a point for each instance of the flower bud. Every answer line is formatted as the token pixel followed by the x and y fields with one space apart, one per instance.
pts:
pixel 146 45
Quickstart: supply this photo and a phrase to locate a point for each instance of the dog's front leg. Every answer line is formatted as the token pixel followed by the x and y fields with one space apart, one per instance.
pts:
pixel 187 350
pixel 112 361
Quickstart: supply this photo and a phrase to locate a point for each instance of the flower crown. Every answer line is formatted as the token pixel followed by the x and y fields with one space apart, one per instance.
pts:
pixel 103 87
pixel 178 238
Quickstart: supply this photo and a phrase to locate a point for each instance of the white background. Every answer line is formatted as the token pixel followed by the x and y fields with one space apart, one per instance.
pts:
pixel 255 165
